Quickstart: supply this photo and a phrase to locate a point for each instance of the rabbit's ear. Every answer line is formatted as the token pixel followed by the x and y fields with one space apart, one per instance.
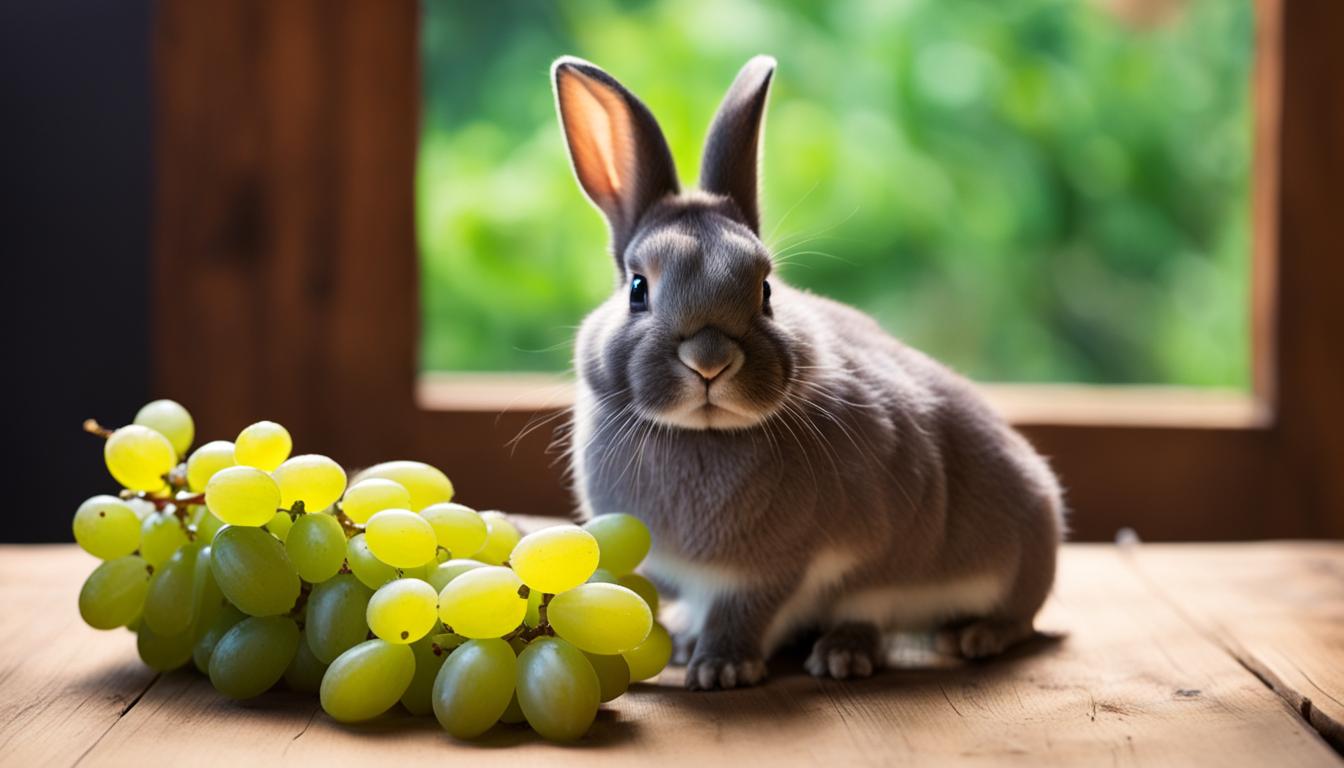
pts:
pixel 733 147
pixel 619 154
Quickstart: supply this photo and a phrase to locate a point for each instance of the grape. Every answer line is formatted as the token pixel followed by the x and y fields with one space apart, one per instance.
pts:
pixel 305 670
pixel 114 594
pixel 207 601
pixel 161 535
pixel 624 541
pixel 500 538
pixel 162 653
pixel 138 457
pixel 600 618
pixel 315 480
pixel 555 559
pixel 209 637
pixel 459 529
pixel 206 524
pixel 264 445
pixel 483 603
pixel 439 576
pixel 648 658
pixel 474 687
pixel 642 587
pixel 279 525
pixel 613 674
pixel 403 611
pixel 142 507
pixel 242 496
pixel 252 657
pixel 168 601
pixel 533 616
pixel 171 420
pixel 336 616
pixel 400 538
pixel 558 690
pixel 367 568
pixel 106 527
pixel 603 576
pixel 253 572
pixel 367 680
pixel 419 696
pixel 316 546
pixel 206 461
pixel 426 484
pixel 365 498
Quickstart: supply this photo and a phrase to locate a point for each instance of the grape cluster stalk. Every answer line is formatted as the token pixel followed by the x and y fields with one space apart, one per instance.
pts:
pixel 260 568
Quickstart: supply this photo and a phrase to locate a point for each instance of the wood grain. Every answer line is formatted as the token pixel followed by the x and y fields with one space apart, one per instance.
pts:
pixel 1131 678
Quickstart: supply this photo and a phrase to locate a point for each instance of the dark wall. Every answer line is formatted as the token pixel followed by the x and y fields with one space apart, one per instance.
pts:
pixel 77 181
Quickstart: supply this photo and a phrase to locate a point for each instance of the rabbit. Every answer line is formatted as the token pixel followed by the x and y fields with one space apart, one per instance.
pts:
pixel 799 469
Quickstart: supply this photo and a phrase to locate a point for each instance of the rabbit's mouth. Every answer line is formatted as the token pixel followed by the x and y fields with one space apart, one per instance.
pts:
pixel 708 414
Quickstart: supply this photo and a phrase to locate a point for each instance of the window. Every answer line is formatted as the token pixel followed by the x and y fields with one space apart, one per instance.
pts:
pixel 287 279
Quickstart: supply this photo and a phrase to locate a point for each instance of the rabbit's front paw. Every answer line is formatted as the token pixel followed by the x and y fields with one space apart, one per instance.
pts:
pixel 984 638
pixel 683 648
pixel 708 673
pixel 849 650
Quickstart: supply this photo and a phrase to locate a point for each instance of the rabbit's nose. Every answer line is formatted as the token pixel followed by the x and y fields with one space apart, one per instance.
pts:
pixel 709 353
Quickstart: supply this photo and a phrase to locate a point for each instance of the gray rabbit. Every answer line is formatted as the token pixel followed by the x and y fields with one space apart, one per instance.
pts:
pixel 798 467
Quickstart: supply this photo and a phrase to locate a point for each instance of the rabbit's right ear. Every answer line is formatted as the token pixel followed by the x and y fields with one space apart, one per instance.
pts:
pixel 618 151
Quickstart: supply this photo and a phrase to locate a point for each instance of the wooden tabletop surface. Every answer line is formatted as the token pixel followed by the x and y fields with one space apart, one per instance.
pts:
pixel 1225 655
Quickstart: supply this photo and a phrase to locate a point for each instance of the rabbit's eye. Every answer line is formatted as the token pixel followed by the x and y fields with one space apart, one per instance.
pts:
pixel 639 294
pixel 765 296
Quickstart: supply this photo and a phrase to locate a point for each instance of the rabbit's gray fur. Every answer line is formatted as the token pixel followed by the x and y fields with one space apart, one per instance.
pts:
pixel 840 479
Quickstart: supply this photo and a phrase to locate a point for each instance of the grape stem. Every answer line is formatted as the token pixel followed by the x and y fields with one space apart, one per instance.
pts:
pixel 159 502
pixel 94 428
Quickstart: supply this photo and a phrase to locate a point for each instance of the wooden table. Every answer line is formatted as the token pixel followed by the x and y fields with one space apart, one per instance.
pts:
pixel 1219 655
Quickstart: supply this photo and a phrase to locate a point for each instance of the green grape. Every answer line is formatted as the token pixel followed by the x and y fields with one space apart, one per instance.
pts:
pixel 264 445
pixel 168 601
pixel 533 616
pixel 211 634
pixel 280 524
pixel 458 528
pixel 365 498
pixel 138 457
pixel 316 546
pixel 305 670
pixel 252 657
pixel 206 460
pixel 613 674
pixel 513 714
pixel 558 690
pixel 161 534
pixel 439 576
pixel 649 658
pixel 624 541
pixel 315 480
pixel 207 601
pixel 142 507
pixel 400 538
pixel 367 568
pixel 205 524
pixel 474 687
pixel 367 680
pixel 642 587
pixel 114 594
pixel 242 496
pixel 555 559
pixel 603 576
pixel 107 527
pixel 483 603
pixel 163 653
pixel 403 611
pixel 253 572
pixel 336 616
pixel 500 538
pixel 171 420
pixel 426 484
pixel 419 696
pixel 600 618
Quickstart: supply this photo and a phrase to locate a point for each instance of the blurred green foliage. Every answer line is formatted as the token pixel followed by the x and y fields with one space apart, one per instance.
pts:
pixel 1035 190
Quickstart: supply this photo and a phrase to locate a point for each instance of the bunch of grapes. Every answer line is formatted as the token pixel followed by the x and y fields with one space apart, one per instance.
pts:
pixel 259 567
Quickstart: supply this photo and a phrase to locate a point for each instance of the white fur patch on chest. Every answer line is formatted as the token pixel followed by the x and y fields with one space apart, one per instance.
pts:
pixel 805 605
pixel 921 606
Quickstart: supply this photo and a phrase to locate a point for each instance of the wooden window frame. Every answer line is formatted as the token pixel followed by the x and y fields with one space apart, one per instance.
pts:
pixel 286 284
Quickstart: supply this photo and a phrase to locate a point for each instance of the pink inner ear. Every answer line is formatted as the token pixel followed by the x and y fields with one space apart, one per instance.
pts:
pixel 597 125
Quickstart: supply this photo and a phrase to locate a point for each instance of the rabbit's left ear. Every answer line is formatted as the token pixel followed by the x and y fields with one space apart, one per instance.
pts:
pixel 733 147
